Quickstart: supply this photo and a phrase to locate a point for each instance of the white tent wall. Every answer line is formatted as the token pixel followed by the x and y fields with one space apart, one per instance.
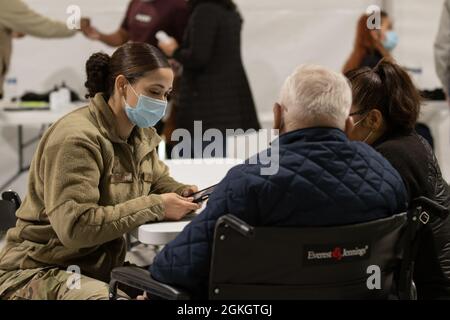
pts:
pixel 277 36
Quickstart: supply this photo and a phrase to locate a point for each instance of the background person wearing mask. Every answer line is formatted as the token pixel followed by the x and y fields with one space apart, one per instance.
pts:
pixel 214 87
pixel 95 176
pixel 371 45
pixel 356 183
pixel 385 109
pixel 17 17
pixel 143 19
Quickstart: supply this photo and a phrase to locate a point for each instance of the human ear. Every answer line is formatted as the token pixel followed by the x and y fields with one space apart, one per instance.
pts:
pixel 349 125
pixel 375 119
pixel 120 85
pixel 277 116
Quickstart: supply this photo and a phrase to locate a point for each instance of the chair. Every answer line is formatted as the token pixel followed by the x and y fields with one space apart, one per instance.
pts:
pixel 371 260
pixel 9 203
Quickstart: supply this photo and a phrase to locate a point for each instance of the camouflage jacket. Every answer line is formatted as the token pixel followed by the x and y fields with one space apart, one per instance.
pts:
pixel 86 189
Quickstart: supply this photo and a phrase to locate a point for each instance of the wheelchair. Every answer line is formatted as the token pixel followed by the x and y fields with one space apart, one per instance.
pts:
pixel 9 204
pixel 371 260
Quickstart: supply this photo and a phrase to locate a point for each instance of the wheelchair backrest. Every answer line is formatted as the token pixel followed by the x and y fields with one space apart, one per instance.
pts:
pixel 345 262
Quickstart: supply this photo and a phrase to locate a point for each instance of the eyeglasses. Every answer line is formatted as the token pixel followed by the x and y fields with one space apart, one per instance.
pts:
pixel 359 112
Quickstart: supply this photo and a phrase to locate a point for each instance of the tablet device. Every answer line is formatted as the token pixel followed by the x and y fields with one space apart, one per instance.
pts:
pixel 202 195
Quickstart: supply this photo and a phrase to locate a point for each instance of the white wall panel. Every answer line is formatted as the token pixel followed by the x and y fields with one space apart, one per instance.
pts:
pixel 277 36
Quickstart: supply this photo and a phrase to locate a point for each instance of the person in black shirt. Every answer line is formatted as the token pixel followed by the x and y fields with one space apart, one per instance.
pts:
pixel 214 87
pixel 384 113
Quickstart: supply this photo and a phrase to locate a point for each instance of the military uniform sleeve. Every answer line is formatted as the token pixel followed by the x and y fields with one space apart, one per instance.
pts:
pixel 20 18
pixel 71 174
pixel 163 182
pixel 185 261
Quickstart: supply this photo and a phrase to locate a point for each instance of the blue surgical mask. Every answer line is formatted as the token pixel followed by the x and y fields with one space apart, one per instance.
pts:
pixel 148 111
pixel 391 40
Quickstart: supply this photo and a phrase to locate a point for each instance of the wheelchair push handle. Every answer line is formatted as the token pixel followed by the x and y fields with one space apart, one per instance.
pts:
pixel 431 206
pixel 236 224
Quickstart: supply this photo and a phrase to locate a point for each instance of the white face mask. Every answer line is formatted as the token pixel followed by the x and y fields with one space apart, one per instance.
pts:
pixel 368 136
pixel 371 130
pixel 361 120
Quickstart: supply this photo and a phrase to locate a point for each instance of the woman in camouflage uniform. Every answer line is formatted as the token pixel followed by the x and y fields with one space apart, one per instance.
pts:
pixel 95 176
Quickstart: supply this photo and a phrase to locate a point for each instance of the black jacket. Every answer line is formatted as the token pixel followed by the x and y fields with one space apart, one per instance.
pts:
pixel 214 87
pixel 413 158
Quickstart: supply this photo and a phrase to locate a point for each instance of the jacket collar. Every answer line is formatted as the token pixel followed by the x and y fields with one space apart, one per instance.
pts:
pixel 107 124
pixel 391 135
pixel 313 134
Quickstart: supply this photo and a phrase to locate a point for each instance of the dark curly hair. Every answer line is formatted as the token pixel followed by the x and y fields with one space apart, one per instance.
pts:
pixel 132 60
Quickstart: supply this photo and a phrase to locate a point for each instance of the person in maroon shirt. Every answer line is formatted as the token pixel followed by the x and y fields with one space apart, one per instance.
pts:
pixel 143 19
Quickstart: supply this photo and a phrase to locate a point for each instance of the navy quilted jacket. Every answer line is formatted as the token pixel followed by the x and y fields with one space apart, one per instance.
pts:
pixel 323 179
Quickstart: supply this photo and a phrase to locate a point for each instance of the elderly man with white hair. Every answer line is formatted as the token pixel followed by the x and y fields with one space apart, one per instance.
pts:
pixel 323 179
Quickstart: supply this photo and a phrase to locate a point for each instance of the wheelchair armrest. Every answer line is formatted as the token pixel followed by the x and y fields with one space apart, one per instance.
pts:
pixel 141 279
pixel 236 224
pixel 12 197
pixel 431 206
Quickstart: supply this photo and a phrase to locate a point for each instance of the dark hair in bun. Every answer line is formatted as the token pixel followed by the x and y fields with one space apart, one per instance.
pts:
pixel 132 60
pixel 97 70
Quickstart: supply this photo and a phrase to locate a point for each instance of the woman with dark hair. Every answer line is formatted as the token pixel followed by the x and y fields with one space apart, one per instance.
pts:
pixel 384 113
pixel 214 88
pixel 371 45
pixel 95 176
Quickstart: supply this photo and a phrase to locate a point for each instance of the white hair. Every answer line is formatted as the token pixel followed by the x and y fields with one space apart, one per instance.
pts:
pixel 315 95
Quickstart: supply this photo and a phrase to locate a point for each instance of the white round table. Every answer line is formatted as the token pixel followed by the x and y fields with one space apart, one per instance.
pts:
pixel 203 173
pixel 159 233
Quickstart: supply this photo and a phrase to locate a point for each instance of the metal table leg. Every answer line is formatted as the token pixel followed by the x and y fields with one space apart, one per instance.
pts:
pixel 21 145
